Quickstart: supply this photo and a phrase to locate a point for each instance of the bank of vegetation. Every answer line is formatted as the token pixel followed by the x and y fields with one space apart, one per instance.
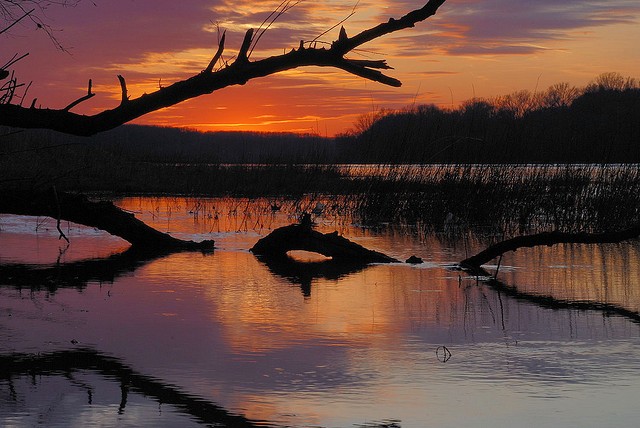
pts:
pixel 599 123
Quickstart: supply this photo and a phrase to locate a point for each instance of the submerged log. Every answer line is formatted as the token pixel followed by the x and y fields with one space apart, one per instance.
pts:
pixel 549 238
pixel 303 237
pixel 474 264
pixel 102 215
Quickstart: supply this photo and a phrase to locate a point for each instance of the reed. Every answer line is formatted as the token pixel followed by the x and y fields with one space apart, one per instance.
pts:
pixel 504 199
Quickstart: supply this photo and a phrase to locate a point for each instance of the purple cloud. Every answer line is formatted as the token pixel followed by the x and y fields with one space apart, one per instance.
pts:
pixel 515 26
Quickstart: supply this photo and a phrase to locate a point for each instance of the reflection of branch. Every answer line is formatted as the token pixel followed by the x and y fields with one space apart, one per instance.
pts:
pixel 551 302
pixel 237 73
pixel 76 274
pixel 14 365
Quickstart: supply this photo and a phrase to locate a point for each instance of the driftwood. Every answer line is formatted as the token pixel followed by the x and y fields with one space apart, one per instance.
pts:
pixel 209 80
pixel 303 237
pixel 102 215
pixel 549 238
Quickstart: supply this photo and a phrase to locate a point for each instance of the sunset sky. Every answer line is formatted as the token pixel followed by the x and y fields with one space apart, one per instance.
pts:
pixel 470 48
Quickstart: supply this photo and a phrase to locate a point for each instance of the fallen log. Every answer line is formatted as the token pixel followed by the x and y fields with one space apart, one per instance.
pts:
pixel 474 264
pixel 549 239
pixel 102 215
pixel 303 237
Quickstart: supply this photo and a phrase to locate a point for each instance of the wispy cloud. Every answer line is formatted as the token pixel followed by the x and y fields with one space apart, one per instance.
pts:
pixel 472 27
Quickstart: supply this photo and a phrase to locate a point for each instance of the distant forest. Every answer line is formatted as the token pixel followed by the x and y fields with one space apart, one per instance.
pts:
pixel 563 124
pixel 599 123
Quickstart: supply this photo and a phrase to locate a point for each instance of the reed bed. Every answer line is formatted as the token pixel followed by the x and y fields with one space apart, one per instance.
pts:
pixel 502 199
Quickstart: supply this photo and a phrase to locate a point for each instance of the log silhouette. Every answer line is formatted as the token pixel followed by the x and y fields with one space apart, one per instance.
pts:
pixel 102 215
pixel 474 266
pixel 549 238
pixel 303 237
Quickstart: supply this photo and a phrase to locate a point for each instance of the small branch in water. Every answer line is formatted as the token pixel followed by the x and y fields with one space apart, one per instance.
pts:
pixel 443 354
pixel 62 235
pixel 495 275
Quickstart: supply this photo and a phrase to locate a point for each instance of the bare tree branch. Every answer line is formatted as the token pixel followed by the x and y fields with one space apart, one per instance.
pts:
pixel 208 81
pixel 81 99
pixel 217 56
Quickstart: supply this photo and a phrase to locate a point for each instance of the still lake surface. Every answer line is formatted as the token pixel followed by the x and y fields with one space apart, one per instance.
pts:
pixel 194 339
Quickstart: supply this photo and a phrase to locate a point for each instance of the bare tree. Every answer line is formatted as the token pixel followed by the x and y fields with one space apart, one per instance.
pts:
pixel 211 79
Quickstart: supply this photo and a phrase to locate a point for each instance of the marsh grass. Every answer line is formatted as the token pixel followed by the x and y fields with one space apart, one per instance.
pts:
pixel 502 199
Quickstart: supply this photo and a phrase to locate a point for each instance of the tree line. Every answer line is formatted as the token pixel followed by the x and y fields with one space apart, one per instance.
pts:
pixel 599 123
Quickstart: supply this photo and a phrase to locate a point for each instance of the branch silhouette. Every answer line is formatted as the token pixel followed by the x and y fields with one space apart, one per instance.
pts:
pixel 237 73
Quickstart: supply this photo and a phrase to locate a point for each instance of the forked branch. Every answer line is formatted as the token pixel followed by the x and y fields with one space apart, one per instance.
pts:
pixel 208 81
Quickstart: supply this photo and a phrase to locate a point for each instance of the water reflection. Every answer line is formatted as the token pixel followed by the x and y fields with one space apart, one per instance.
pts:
pixel 77 274
pixel 79 368
pixel 604 275
pixel 303 273
pixel 230 329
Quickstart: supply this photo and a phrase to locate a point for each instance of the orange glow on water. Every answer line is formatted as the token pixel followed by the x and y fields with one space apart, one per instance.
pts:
pixel 323 350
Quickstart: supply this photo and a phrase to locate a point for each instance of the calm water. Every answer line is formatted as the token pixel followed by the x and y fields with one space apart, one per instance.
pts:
pixel 191 338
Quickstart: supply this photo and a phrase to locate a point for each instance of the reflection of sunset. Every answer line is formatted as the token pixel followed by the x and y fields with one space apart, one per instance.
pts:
pixel 361 307
pixel 248 301
pixel 238 332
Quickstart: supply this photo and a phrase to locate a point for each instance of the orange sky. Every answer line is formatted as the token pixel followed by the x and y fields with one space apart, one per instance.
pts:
pixel 470 48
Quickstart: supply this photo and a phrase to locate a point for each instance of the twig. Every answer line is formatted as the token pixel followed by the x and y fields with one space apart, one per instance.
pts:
pixel 17 20
pixel 218 54
pixel 13 60
pixel 123 87
pixel 246 44
pixel 24 96
pixel 62 235
pixel 81 99
pixel 495 276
